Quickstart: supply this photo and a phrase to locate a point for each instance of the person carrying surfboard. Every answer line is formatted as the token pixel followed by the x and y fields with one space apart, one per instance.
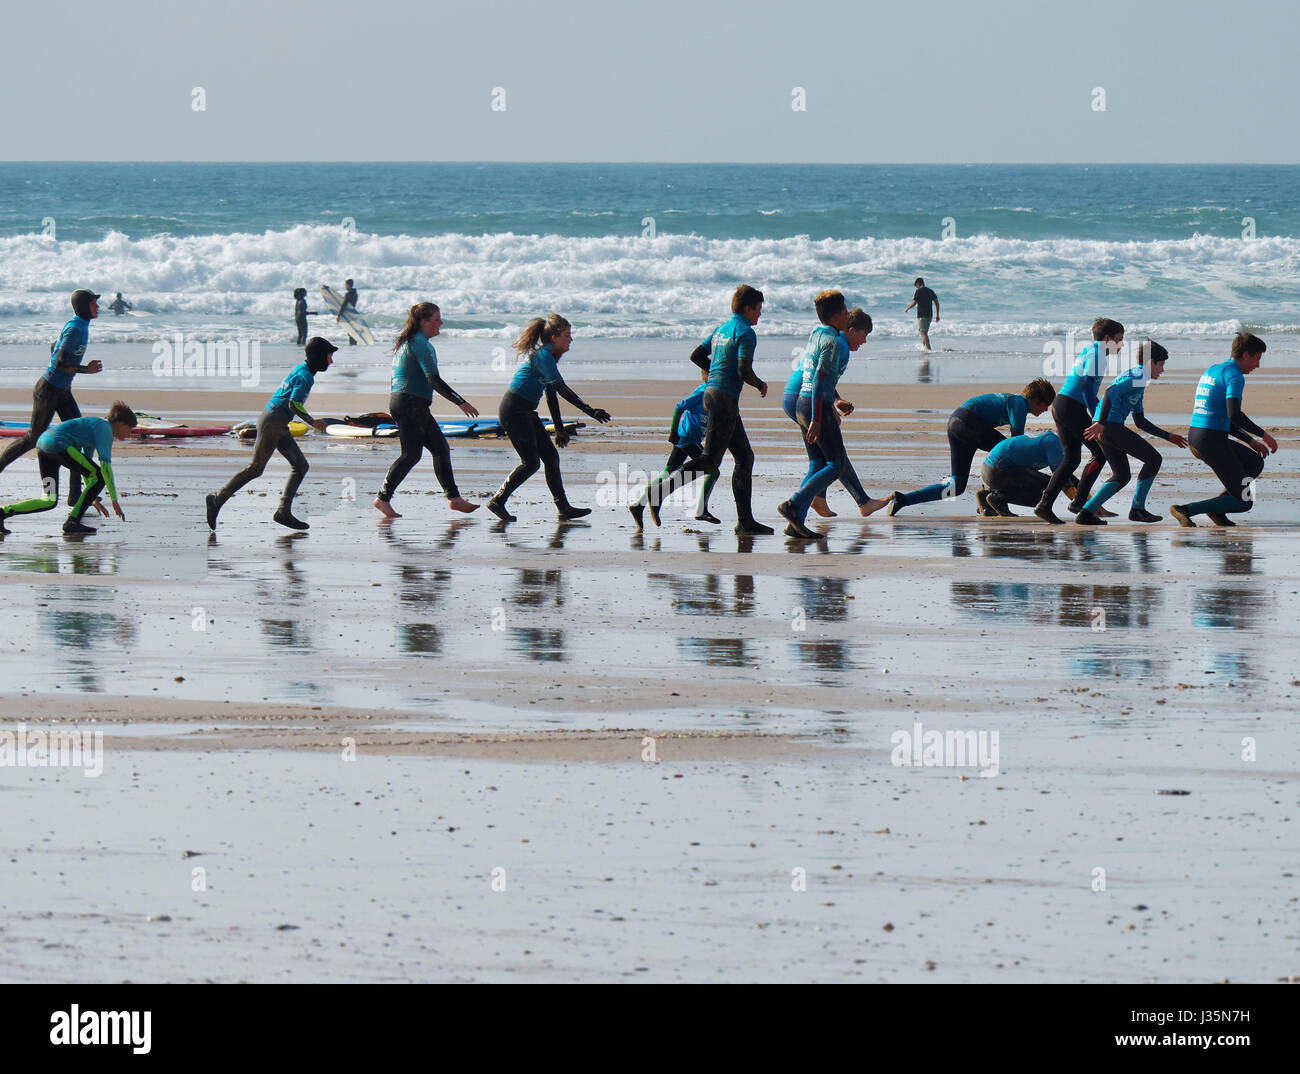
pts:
pixel 542 343
pixel 273 435
pixel 415 379
pixel 53 392
pixel 74 444
pixel 349 303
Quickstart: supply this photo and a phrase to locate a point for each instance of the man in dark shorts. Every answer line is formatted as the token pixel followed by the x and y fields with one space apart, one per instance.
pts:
pixel 927 308
pixel 1217 416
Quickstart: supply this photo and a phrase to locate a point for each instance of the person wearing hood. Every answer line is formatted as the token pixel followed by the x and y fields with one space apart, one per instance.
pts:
pixel 301 313
pixel 53 392
pixel 273 435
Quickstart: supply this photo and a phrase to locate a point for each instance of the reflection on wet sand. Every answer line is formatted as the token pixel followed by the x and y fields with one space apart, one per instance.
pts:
pixel 286 591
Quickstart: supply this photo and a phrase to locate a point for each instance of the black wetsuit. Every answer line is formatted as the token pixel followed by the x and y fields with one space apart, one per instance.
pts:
pixel 350 302
pixel 1072 418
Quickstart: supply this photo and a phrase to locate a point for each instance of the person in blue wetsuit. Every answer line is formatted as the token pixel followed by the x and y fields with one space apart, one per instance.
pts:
pixel 973 427
pixel 273 435
pixel 415 379
pixel 1118 441
pixel 728 355
pixel 53 392
pixel 541 344
pixel 1218 415
pixel 825 359
pixel 851 339
pixel 686 432
pixel 1073 409
pixel 1013 470
pixel 74 444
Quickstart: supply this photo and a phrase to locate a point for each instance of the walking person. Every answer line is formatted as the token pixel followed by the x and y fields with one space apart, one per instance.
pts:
pixel 927 309
pixel 542 343
pixel 728 355
pixel 415 379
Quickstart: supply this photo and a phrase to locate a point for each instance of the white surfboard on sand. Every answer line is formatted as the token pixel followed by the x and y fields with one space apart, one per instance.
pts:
pixel 351 320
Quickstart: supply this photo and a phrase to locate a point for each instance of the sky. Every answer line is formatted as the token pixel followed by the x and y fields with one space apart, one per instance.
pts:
pixel 1007 81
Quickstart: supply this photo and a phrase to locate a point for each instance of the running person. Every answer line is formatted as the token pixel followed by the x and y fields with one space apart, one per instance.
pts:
pixel 686 434
pixel 973 427
pixel 273 435
pixel 415 379
pixel 53 392
pixel 815 411
pixel 542 344
pixel 1013 471
pixel 853 337
pixel 728 355
pixel 75 444
pixel 1217 416
pixel 1118 441
pixel 1074 406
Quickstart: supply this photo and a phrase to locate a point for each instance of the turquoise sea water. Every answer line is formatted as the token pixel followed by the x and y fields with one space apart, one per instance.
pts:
pixel 644 250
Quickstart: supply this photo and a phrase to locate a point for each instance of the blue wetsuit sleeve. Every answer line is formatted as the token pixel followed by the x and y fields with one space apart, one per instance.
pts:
pixel 677 419
pixel 1054 452
pixel 1102 409
pixel 1017 413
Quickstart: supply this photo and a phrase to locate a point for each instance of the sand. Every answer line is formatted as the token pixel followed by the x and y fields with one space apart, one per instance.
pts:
pixel 351 729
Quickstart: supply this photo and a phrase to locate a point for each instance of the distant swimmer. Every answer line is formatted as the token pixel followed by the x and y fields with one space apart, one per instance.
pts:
pixel 74 444
pixel 119 305
pixel 1118 441
pixel 852 338
pixel 973 427
pixel 542 343
pixel 301 313
pixel 1073 410
pixel 53 392
pixel 927 309
pixel 728 355
pixel 1218 415
pixel 686 433
pixel 1013 472
pixel 415 379
pixel 287 404
pixel 349 303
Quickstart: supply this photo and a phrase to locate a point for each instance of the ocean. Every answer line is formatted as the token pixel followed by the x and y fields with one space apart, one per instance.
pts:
pixel 1018 254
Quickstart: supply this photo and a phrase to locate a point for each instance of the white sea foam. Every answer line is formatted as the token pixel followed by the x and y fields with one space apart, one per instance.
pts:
pixel 671 285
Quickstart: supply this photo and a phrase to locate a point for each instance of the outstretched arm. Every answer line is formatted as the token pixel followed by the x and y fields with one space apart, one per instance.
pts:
pixel 1241 426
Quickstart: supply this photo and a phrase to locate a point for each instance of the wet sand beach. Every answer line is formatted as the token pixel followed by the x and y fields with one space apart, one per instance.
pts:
pixel 677 747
